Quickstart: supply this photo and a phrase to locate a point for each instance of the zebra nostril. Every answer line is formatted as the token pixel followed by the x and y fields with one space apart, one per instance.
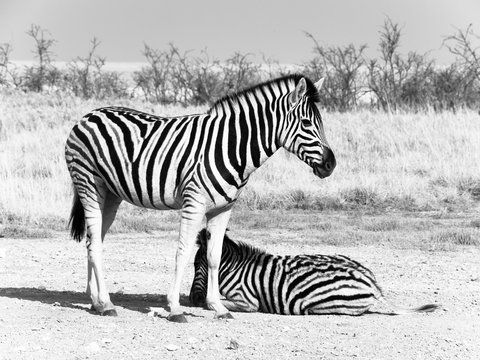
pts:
pixel 328 166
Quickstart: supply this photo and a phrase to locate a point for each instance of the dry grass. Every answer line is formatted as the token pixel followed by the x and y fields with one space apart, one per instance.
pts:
pixel 402 162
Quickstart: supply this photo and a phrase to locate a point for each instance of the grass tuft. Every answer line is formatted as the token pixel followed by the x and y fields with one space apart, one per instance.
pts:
pixel 25 232
pixel 471 186
pixel 360 196
pixel 456 237
pixel 382 225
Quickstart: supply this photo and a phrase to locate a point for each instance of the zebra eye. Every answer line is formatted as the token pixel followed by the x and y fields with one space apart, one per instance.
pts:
pixel 306 122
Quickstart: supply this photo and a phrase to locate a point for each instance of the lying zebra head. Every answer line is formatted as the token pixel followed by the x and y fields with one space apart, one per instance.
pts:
pixel 232 254
pixel 306 136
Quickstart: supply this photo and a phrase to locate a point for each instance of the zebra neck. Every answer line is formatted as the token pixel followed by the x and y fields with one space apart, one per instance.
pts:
pixel 251 123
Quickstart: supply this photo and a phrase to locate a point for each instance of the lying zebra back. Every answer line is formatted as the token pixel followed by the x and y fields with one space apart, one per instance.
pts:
pixel 253 280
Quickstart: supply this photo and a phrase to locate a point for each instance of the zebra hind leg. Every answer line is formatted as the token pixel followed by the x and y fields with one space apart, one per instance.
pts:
pixel 99 216
pixel 241 305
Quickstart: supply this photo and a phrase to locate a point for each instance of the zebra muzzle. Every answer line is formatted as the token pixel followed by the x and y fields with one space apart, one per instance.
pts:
pixel 327 166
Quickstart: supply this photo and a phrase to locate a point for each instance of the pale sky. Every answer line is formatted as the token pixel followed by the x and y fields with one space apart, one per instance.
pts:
pixel 271 27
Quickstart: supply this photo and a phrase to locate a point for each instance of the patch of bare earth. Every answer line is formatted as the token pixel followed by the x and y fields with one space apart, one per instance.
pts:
pixel 44 310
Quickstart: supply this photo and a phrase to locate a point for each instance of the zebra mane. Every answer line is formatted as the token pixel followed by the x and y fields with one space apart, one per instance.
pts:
pixel 239 247
pixel 242 248
pixel 312 92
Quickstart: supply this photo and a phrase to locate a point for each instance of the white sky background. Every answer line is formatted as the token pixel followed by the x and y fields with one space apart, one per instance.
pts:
pixel 270 27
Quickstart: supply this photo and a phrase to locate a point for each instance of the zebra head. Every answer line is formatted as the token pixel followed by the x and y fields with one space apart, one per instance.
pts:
pixel 305 136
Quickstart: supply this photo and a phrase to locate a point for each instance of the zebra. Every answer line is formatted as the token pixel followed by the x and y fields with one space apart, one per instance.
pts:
pixel 197 164
pixel 253 280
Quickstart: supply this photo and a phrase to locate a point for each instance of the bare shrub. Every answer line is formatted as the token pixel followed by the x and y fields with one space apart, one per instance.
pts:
pixel 459 84
pixel 7 72
pixel 398 81
pixel 154 79
pixel 86 77
pixel 44 73
pixel 173 76
pixel 341 67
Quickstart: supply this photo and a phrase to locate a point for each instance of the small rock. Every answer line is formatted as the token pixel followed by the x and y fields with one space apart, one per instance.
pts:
pixel 172 347
pixel 106 340
pixel 233 345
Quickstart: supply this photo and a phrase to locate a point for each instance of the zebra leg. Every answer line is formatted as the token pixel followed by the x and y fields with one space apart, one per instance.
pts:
pixel 217 224
pixel 241 305
pixel 190 225
pixel 95 212
pixel 112 202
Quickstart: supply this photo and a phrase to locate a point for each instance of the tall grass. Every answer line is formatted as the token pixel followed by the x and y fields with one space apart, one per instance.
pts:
pixel 427 161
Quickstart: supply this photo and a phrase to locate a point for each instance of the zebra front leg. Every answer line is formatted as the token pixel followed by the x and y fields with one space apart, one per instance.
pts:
pixel 217 224
pixel 190 225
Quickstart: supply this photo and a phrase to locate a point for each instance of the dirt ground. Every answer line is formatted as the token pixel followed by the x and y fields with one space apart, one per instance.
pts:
pixel 44 310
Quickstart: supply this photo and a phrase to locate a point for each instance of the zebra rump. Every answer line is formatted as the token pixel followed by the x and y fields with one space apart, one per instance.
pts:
pixel 253 280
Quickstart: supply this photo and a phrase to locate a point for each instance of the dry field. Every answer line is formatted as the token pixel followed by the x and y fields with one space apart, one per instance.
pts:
pixel 403 200
pixel 412 162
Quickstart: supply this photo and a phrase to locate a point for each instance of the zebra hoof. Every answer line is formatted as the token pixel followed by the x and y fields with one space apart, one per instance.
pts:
pixel 178 318
pixel 111 312
pixel 225 316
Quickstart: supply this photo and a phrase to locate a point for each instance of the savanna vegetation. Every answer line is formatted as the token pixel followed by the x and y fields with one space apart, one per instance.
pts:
pixel 404 130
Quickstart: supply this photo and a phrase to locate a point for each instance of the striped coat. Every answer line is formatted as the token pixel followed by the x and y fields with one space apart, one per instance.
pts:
pixel 196 163
pixel 253 280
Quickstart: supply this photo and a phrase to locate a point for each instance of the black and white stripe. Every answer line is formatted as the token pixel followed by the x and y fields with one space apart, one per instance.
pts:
pixel 196 163
pixel 253 280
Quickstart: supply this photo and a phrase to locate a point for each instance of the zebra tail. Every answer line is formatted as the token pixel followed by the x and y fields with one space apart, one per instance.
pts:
pixel 399 310
pixel 77 218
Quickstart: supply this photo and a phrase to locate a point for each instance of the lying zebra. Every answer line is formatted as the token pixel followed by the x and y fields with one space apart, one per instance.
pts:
pixel 253 280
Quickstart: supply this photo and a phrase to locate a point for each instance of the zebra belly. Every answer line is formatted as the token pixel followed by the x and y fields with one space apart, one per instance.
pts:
pixel 155 193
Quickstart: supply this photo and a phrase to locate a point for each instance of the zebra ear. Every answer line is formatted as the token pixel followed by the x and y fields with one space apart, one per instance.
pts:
pixel 319 83
pixel 299 91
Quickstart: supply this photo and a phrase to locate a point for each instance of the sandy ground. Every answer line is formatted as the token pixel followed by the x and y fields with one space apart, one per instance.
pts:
pixel 44 310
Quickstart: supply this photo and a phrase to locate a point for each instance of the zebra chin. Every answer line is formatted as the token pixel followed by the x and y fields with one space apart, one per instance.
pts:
pixel 322 171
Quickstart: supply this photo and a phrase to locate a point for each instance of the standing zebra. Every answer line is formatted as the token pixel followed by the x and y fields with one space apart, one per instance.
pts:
pixel 197 163
pixel 253 280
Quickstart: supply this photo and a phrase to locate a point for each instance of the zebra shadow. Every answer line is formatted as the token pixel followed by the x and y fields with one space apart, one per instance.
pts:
pixel 80 300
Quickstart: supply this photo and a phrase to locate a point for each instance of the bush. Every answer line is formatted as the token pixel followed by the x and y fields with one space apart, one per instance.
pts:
pixel 86 78
pixel 173 76
pixel 341 67
pixel 393 81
